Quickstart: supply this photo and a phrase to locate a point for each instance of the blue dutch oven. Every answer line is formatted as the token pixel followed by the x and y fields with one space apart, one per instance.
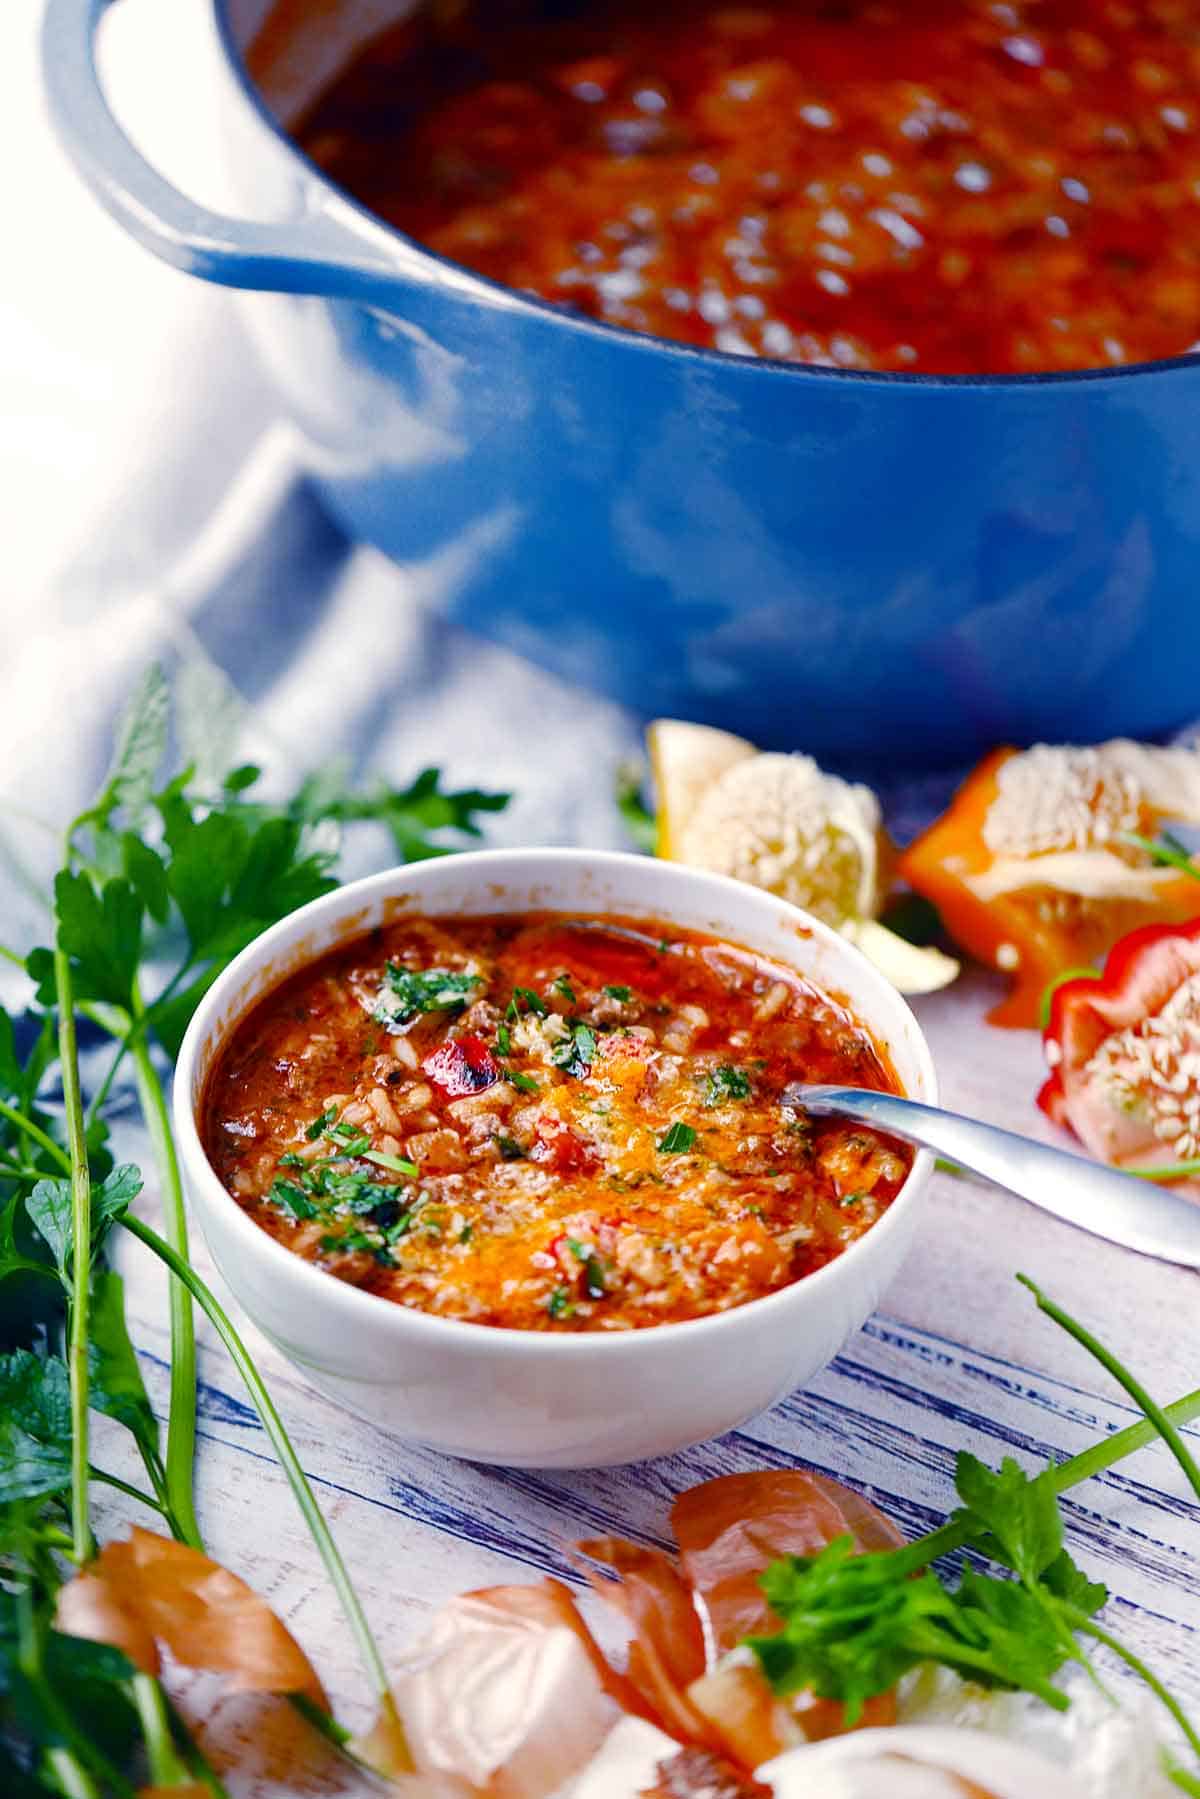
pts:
pixel 882 569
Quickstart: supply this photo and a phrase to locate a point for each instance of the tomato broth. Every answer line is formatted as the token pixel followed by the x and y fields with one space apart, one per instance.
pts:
pixel 548 1122
pixel 918 185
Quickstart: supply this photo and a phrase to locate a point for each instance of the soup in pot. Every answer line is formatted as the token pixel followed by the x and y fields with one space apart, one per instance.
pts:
pixel 917 185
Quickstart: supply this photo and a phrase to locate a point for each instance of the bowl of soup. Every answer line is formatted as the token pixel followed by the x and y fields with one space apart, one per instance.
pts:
pixel 823 372
pixel 496 1150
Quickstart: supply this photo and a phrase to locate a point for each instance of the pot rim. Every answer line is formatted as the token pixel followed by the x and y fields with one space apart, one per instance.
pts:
pixel 467 281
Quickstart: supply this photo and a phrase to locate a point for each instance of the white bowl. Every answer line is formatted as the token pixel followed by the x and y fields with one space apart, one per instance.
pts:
pixel 532 1398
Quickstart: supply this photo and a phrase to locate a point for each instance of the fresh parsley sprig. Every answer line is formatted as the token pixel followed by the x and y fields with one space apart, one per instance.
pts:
pixel 853 1624
pixel 165 878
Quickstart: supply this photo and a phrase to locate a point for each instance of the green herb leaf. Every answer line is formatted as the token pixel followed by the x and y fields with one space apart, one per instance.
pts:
pixel 35 1426
pixel 622 995
pixel 321 1124
pixel 396 1164
pixel 575 1052
pixel 49 1207
pixel 293 1199
pixel 726 1083
pixel 140 747
pixel 677 1139
pixel 409 992
pixel 503 1040
pixel 524 1083
pixel 420 817
pixel 524 999
pixel 101 931
pixel 115 1385
pixel 639 820
pixel 559 1304
pixel 1013 1516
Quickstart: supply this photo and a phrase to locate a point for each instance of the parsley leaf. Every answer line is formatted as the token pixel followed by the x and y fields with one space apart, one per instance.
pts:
pixel 725 1083
pixel 563 987
pixel 409 992
pixel 622 995
pixel 576 1052
pixel 35 1426
pixel 524 999
pixel 677 1139
pixel 292 1199
pixel 320 1125
pixel 419 817
pixel 49 1207
pixel 1013 1517
pixel 639 820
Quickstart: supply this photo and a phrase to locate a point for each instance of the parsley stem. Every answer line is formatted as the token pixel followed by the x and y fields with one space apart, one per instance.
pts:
pixel 1062 1475
pixel 273 1424
pixel 72 1757
pixel 181 1421
pixel 83 1545
pixel 1124 1378
pixel 1088 1627
pixel 167 1767
pixel 1170 1171
pixel 36 1134
pixel 123 1486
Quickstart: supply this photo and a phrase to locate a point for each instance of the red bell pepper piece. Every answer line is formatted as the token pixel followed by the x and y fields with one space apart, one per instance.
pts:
pixel 1123 1048
pixel 461 1066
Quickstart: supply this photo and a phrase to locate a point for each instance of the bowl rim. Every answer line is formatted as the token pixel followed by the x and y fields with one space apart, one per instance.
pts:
pixel 352 1303
pixel 496 294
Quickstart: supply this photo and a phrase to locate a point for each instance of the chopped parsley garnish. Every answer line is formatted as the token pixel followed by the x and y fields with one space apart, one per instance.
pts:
pixel 350 1139
pixel 852 1199
pixel 503 1040
pixel 292 1198
pixel 563 986
pixel 510 1149
pixel 466 1233
pixel 580 1251
pixel 559 1303
pixel 594 1284
pixel 576 1052
pixel 396 1164
pixel 524 999
pixel 622 995
pixel 321 1124
pixel 725 1083
pixel 524 1083
pixel 677 1139
pixel 408 992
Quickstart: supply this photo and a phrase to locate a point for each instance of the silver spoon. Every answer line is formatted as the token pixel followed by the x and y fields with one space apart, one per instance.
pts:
pixel 1139 1214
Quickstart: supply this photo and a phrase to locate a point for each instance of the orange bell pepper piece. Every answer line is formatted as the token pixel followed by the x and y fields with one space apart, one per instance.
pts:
pixel 1037 931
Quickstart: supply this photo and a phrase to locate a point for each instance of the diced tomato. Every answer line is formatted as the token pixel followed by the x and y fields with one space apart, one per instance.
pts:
pixel 558 1148
pixel 461 1066
pixel 1115 1085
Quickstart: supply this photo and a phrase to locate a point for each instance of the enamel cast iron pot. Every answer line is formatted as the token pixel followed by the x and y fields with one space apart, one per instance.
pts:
pixel 880 568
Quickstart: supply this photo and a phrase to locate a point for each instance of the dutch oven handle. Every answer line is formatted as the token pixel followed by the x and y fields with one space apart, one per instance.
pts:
pixel 317 254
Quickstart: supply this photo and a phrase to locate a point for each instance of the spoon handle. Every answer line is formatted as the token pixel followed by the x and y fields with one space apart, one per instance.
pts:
pixel 1139 1214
